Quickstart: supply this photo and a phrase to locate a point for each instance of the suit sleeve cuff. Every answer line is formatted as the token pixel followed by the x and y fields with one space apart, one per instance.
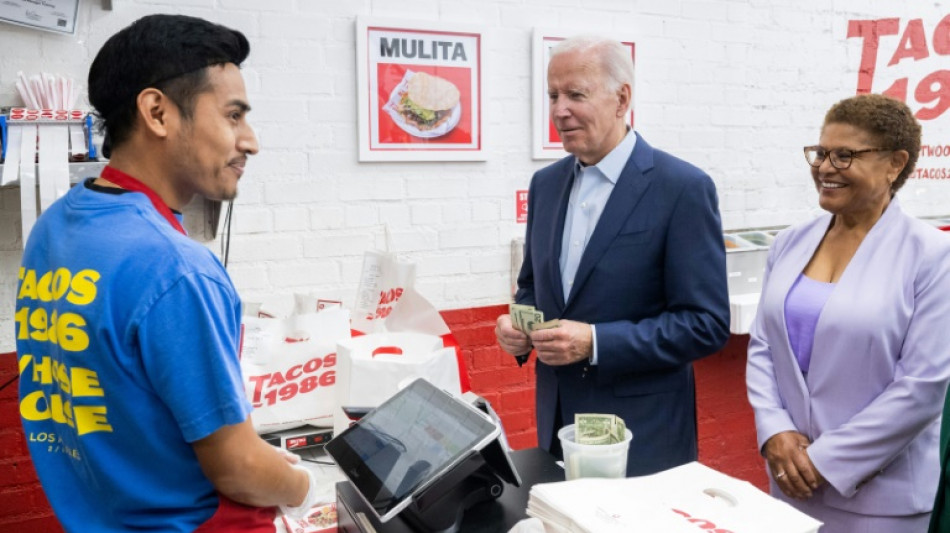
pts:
pixel 844 480
pixel 593 349
pixel 771 422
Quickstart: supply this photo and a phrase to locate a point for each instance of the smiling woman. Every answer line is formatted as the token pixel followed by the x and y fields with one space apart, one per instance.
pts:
pixel 846 364
pixel 855 180
pixel 869 146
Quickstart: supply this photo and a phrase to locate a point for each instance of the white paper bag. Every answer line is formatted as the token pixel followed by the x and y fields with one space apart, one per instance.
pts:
pixel 685 499
pixel 289 368
pixel 387 301
pixel 370 369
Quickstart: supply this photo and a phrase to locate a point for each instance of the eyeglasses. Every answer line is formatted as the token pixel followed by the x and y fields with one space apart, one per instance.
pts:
pixel 840 159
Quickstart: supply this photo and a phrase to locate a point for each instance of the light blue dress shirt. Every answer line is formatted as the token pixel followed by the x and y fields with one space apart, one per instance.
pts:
pixel 589 193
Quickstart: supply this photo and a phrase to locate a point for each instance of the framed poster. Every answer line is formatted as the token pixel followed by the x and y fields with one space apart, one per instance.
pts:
pixel 546 143
pixel 419 89
pixel 50 15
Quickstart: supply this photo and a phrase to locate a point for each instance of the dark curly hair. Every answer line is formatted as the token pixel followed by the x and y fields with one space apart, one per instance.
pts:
pixel 168 52
pixel 889 121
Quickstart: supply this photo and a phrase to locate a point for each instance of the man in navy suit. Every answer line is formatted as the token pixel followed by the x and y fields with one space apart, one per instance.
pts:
pixel 623 245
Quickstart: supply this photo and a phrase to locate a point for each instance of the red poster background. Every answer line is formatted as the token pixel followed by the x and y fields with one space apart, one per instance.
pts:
pixel 553 136
pixel 390 74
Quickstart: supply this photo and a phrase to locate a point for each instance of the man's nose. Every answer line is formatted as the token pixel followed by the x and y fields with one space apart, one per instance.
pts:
pixel 247 141
pixel 560 108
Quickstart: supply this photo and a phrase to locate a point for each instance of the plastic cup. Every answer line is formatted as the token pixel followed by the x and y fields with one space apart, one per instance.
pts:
pixel 593 460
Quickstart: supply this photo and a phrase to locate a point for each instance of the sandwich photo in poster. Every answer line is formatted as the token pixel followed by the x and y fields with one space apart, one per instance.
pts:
pixel 424 105
pixel 422 99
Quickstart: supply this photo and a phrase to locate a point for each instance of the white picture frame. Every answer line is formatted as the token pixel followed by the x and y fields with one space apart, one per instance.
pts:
pixel 545 144
pixel 58 16
pixel 388 54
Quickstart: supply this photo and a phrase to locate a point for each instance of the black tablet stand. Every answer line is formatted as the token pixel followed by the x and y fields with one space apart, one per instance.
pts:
pixel 440 507
pixel 480 477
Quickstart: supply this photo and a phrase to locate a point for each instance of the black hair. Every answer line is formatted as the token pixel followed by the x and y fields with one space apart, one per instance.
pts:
pixel 168 52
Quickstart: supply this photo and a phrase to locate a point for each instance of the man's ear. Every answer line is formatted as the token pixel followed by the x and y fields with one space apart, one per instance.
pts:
pixel 155 110
pixel 624 98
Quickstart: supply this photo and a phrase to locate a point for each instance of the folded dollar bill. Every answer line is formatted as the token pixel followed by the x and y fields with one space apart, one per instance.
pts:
pixel 595 428
pixel 527 319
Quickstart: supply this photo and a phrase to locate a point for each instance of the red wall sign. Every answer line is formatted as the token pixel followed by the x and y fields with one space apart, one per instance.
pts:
pixel 521 206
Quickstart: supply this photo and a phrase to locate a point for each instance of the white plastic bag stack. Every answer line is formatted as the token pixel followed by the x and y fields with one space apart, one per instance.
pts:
pixel 685 499
pixel 289 367
pixel 373 367
pixel 405 338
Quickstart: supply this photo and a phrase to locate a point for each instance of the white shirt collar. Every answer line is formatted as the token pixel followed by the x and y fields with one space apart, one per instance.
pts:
pixel 612 164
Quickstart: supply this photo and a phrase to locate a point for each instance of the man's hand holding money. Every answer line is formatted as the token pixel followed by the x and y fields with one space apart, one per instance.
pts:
pixel 511 340
pixel 565 344
pixel 513 329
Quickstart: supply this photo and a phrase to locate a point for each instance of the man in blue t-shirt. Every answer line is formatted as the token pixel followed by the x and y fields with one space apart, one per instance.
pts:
pixel 127 330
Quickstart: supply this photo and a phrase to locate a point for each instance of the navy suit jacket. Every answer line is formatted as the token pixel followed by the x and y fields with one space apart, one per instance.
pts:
pixel 653 280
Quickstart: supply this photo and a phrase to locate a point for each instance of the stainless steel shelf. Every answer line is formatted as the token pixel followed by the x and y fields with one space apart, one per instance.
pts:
pixel 77 171
pixel 204 226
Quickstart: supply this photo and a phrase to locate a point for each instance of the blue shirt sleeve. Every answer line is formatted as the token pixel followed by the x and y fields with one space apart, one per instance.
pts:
pixel 189 341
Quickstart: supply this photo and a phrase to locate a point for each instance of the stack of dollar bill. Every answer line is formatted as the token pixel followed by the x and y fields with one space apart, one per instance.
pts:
pixel 591 428
pixel 527 319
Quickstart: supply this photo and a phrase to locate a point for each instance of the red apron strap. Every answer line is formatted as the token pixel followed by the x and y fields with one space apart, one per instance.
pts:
pixel 128 182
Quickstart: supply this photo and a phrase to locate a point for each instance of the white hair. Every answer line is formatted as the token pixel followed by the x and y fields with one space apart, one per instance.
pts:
pixel 614 57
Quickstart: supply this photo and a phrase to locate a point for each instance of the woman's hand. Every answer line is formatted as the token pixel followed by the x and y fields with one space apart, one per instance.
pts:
pixel 790 466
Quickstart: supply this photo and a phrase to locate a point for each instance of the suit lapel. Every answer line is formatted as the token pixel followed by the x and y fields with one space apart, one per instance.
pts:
pixel 782 279
pixel 848 284
pixel 563 196
pixel 630 187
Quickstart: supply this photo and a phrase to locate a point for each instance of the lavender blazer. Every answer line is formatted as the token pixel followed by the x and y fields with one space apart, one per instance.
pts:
pixel 879 370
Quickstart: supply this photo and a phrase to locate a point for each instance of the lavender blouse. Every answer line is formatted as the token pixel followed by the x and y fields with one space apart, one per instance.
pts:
pixel 803 306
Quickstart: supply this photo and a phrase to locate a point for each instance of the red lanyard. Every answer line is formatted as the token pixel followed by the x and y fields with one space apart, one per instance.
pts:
pixel 128 182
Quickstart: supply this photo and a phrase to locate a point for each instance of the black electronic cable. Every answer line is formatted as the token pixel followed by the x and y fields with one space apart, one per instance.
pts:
pixel 226 238
pixel 331 463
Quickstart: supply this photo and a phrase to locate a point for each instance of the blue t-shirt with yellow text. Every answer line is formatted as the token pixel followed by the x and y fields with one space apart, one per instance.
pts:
pixel 127 336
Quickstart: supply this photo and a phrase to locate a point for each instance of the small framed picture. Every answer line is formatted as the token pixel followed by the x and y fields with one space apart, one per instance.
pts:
pixel 420 91
pixel 57 16
pixel 546 143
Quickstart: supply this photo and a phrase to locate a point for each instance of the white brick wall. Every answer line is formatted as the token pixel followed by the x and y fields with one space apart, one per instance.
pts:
pixel 734 86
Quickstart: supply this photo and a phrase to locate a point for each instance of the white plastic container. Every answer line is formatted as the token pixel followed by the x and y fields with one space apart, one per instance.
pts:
pixel 593 460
